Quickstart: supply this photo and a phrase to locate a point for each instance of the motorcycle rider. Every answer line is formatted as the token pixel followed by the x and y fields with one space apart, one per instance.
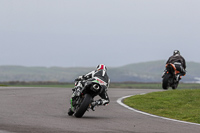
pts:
pixel 179 63
pixel 100 72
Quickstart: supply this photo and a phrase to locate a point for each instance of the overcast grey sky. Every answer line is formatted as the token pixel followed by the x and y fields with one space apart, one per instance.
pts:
pixel 71 33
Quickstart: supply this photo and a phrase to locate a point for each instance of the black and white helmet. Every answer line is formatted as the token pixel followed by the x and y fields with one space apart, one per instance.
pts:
pixel 101 67
pixel 176 52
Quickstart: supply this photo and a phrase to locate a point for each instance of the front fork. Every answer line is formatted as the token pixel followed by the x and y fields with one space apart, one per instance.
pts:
pixel 76 92
pixel 74 101
pixel 72 108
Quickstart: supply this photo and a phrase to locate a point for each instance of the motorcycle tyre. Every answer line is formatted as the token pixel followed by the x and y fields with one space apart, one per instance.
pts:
pixel 165 82
pixel 175 86
pixel 84 106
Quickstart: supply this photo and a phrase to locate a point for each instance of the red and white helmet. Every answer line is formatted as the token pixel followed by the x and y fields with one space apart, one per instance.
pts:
pixel 101 67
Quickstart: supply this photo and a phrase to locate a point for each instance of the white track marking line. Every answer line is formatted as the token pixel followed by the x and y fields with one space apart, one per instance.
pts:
pixel 119 101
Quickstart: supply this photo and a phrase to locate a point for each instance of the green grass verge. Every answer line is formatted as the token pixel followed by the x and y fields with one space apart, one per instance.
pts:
pixel 36 84
pixel 152 85
pixel 55 86
pixel 2 85
pixel 176 104
pixel 130 85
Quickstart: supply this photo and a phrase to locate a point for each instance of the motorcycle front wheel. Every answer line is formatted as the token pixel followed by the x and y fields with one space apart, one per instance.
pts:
pixel 83 106
pixel 165 82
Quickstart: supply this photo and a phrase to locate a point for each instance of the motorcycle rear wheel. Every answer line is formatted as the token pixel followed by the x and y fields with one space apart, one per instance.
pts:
pixel 165 82
pixel 84 106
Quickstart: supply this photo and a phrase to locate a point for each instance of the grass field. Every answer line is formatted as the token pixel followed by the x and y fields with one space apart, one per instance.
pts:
pixel 176 104
pixel 36 84
pixel 112 85
pixel 153 85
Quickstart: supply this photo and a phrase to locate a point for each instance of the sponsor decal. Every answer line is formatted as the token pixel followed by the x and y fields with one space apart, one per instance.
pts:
pixel 101 81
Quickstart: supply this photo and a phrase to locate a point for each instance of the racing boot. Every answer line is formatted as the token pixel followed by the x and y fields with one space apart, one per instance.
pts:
pixel 96 103
pixel 178 77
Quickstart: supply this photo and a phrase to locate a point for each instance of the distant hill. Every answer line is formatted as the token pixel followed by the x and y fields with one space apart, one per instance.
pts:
pixel 137 72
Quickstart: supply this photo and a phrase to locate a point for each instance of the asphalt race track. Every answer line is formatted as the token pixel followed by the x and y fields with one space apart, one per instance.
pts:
pixel 44 110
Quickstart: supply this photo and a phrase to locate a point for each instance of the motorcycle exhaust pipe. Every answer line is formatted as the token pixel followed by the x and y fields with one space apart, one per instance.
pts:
pixel 96 87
